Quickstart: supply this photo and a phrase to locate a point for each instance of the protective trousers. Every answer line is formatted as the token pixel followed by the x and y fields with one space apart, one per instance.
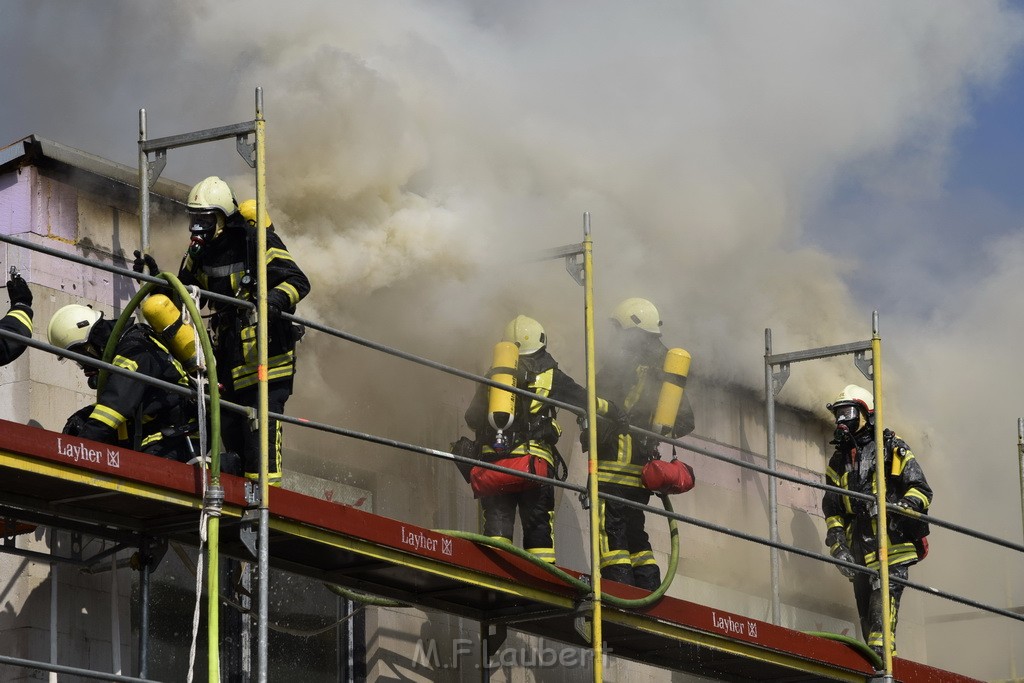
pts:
pixel 240 434
pixel 626 554
pixel 869 606
pixel 536 515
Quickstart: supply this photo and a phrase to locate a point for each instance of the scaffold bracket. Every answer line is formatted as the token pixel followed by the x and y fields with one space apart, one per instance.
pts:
pixel 246 150
pixel 779 378
pixel 156 166
pixel 864 364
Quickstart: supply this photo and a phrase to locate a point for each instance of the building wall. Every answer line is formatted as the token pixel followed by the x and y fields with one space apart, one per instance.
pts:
pixel 715 569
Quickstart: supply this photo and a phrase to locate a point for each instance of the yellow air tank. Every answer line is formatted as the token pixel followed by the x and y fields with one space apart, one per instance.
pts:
pixel 677 367
pixel 501 404
pixel 164 317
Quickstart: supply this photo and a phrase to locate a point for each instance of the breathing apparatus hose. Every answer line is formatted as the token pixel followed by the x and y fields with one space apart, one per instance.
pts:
pixel 213 519
pixel 857 645
pixel 583 586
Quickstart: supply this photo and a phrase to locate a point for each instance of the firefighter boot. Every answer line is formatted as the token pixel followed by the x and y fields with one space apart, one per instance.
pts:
pixel 647 576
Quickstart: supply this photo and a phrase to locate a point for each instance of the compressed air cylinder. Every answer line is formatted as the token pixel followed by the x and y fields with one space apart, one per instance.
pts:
pixel 164 317
pixel 677 367
pixel 501 404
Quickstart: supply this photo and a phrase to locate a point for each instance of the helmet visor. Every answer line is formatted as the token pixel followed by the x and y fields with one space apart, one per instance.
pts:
pixel 846 413
pixel 203 222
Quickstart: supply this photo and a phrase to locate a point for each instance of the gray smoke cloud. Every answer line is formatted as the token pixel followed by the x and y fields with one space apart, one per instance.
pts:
pixel 418 149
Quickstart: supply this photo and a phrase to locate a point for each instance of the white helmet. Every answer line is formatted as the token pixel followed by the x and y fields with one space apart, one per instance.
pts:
pixel 210 202
pixel 857 398
pixel 526 333
pixel 637 312
pixel 212 193
pixel 71 325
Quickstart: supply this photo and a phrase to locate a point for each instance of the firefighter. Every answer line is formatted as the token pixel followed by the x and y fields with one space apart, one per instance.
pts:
pixel 128 412
pixel 529 443
pixel 631 376
pixel 221 258
pixel 18 318
pixel 851 523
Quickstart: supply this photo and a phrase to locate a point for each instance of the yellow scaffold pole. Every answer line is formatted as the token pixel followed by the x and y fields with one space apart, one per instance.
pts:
pixel 263 405
pixel 883 536
pixel 595 518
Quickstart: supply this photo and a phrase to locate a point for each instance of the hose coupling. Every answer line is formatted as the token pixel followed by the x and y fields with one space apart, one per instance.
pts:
pixel 213 501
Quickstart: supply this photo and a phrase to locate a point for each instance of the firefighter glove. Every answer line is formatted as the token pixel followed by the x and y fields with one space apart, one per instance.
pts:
pixel 900 522
pixel 275 305
pixel 19 292
pixel 143 262
pixel 843 554
pixel 620 417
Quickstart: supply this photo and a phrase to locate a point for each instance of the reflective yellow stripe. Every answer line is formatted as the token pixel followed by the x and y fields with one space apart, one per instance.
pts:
pixel 290 291
pixel 899 553
pixel 107 416
pixel 275 253
pixel 546 554
pixel 542 387
pixel 126 363
pixel 22 317
pixel 152 438
pixel 917 495
pixel 834 522
pixel 642 558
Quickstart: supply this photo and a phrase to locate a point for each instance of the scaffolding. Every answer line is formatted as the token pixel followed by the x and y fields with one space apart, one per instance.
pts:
pixel 135 506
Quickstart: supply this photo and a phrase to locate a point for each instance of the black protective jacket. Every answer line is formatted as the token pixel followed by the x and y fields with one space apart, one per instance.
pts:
pixel 19 320
pixel 631 378
pixel 853 522
pixel 227 265
pixel 121 402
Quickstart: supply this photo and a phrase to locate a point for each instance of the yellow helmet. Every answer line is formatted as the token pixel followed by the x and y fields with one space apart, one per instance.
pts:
pixel 71 325
pixel 248 211
pixel 639 313
pixel 526 333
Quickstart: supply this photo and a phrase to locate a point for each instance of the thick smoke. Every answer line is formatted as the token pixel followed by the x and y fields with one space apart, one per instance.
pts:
pixel 417 150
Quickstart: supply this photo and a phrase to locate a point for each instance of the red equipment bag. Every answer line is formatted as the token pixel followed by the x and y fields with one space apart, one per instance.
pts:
pixel 674 476
pixel 487 482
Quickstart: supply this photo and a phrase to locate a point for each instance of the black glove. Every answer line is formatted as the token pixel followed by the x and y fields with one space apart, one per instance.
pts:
pixel 898 522
pixel 19 292
pixel 275 305
pixel 144 261
pixel 842 553
pixel 619 416
pixel 77 421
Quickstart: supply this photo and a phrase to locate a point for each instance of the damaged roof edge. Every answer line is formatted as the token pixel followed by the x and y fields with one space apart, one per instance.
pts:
pixel 37 151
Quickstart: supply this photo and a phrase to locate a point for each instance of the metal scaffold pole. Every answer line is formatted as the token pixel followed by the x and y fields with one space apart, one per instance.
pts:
pixel 595 519
pixel 773 501
pixel 1020 464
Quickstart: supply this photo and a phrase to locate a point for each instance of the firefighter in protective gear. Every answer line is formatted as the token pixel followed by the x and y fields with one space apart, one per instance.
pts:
pixel 128 412
pixel 221 258
pixel 18 318
pixel 631 376
pixel 851 523
pixel 534 433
